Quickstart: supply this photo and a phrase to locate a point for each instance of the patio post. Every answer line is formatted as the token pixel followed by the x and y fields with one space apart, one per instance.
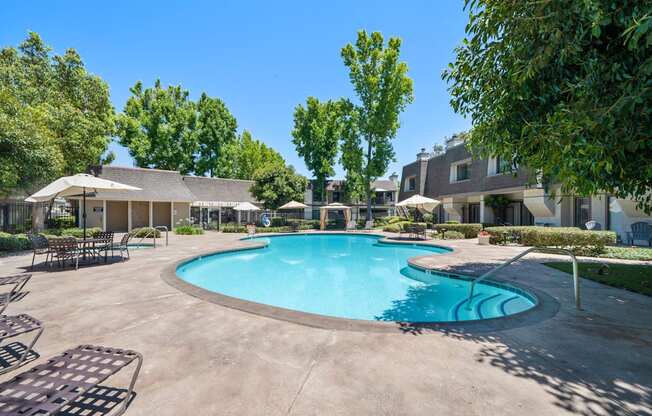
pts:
pixel 151 214
pixel 129 220
pixel 104 215
pixel 171 215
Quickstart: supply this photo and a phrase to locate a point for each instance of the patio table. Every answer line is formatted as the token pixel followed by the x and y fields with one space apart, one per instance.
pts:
pixel 88 245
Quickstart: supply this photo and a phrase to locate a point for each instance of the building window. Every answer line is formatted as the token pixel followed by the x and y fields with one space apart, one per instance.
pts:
pixel 502 166
pixel 411 183
pixel 582 211
pixel 462 172
pixel 336 196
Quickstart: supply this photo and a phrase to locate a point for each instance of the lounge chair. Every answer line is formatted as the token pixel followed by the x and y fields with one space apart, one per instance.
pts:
pixel 69 382
pixel 593 225
pixel 295 227
pixel 13 326
pixel 351 226
pixel 19 281
pixel 123 245
pixel 64 249
pixel 251 229
pixel 641 231
pixel 369 225
pixel 40 245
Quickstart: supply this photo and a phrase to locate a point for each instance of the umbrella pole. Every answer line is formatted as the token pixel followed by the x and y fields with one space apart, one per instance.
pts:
pixel 84 220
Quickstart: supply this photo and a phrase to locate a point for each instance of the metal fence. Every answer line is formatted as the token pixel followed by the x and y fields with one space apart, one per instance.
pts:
pixel 18 216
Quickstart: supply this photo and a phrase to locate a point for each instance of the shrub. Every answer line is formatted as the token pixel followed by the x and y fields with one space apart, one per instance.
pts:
pixel 278 222
pixel 453 235
pixel 142 232
pixel 580 242
pixel 452 222
pixel 305 224
pixel 233 228
pixel 188 230
pixel 14 242
pixel 387 220
pixel 468 230
pixel 61 222
pixel 393 228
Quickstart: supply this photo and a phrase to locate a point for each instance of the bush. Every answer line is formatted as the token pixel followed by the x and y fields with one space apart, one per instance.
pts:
pixel 62 222
pixel 467 230
pixel 142 232
pixel 304 224
pixel 278 222
pixel 14 242
pixel 453 235
pixel 580 242
pixel 387 220
pixel 233 228
pixel 393 228
pixel 188 230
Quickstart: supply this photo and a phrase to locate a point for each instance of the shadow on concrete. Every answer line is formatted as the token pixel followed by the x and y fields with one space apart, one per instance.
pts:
pixel 70 265
pixel 98 401
pixel 589 364
pixel 10 354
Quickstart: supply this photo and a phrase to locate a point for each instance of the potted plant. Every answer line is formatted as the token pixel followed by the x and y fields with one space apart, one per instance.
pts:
pixel 483 238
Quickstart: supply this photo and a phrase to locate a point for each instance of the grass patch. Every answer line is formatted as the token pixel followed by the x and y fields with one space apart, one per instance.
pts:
pixel 634 277
pixel 627 253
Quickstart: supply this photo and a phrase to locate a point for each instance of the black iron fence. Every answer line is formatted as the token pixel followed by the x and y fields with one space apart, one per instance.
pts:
pixel 20 217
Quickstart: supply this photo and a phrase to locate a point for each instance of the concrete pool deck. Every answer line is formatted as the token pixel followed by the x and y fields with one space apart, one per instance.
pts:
pixel 205 359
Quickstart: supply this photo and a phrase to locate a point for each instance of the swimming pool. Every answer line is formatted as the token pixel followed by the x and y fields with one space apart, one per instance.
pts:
pixel 350 276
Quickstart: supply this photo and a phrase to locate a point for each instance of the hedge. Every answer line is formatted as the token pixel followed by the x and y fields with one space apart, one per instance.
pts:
pixel 143 231
pixel 188 230
pixel 233 228
pixel 71 232
pixel 14 242
pixel 580 242
pixel 467 230
pixel 397 227
pixel 453 235
pixel 305 224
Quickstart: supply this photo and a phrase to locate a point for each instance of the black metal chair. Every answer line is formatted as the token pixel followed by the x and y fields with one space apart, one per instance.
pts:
pixel 123 245
pixel 64 249
pixel 40 245
pixel 640 231
pixel 104 245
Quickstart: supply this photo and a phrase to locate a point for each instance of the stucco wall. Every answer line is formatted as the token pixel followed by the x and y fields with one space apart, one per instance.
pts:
pixel 116 216
pixel 93 213
pixel 139 214
pixel 181 213
pixel 161 214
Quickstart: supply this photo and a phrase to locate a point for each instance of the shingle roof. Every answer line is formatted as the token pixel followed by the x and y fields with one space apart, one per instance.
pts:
pixel 218 189
pixel 156 185
pixel 385 184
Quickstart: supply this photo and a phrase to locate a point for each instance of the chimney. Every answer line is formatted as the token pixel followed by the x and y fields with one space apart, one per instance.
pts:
pixel 423 155
pixel 394 178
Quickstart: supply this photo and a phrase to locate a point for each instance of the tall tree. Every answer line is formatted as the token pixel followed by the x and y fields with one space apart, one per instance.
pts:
pixel 55 117
pixel 384 90
pixel 277 185
pixel 215 134
pixel 158 127
pixel 352 154
pixel 316 135
pixel 248 155
pixel 563 88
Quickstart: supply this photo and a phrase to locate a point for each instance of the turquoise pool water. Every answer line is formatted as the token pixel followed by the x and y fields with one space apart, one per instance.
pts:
pixel 349 276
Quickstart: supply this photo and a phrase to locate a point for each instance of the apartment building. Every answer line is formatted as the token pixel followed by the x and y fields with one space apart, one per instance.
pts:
pixel 466 186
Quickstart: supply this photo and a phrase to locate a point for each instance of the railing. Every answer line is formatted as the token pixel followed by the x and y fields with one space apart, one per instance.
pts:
pixel 548 250
pixel 152 233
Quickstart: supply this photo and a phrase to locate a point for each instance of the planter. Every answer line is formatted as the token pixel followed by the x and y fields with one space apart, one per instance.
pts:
pixel 483 240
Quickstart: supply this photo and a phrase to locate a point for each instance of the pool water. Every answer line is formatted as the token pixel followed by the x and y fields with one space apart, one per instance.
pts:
pixel 349 276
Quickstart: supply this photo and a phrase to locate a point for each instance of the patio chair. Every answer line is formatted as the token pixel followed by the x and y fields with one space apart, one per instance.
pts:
pixel 19 281
pixel 641 231
pixel 13 326
pixel 369 225
pixel 64 249
pixel 419 232
pixel 105 244
pixel 40 245
pixel 251 229
pixel 69 382
pixel 295 227
pixel 351 226
pixel 123 245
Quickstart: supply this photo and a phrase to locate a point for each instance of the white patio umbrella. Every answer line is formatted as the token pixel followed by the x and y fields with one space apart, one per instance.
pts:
pixel 419 202
pixel 293 205
pixel 75 185
pixel 245 206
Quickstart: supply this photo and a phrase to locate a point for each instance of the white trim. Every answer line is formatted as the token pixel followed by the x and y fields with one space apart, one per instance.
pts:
pixel 151 214
pixel 104 215
pixel 171 215
pixel 129 220
pixel 453 170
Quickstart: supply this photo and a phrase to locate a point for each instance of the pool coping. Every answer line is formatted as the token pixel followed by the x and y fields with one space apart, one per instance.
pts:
pixel 546 306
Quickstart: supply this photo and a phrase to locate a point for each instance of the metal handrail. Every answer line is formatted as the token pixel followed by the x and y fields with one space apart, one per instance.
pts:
pixel 548 250
pixel 163 228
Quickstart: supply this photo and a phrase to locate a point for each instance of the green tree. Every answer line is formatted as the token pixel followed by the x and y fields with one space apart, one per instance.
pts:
pixel 215 134
pixel 55 118
pixel 277 185
pixel 384 90
pixel 158 128
pixel 248 155
pixel 316 135
pixel 563 88
pixel 352 154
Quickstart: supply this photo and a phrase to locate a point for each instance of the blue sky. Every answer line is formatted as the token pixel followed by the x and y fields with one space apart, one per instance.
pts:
pixel 261 57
